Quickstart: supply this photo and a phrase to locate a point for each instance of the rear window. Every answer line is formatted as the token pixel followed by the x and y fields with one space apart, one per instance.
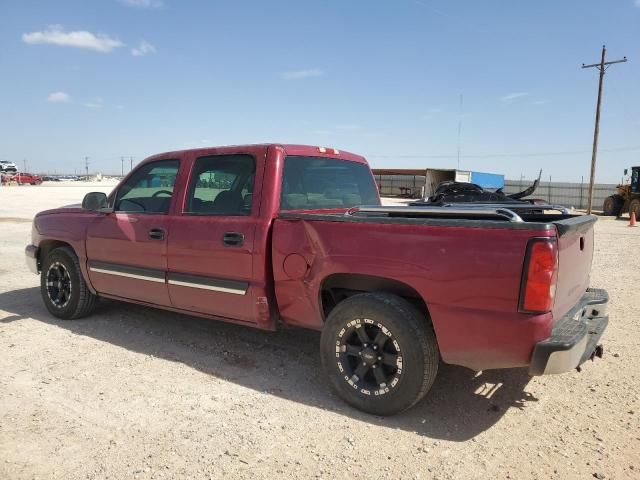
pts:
pixel 310 183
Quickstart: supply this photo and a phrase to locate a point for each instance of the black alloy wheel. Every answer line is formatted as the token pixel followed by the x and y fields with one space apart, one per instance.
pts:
pixel 63 288
pixel 379 352
pixel 59 288
pixel 369 357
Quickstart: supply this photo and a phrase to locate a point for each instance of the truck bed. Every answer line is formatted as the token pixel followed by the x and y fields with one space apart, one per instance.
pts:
pixel 465 265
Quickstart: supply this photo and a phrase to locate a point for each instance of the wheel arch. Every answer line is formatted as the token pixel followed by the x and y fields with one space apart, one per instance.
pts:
pixel 46 246
pixel 339 286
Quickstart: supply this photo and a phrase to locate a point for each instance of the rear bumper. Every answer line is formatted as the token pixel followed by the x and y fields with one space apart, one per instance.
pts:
pixel 31 256
pixel 574 338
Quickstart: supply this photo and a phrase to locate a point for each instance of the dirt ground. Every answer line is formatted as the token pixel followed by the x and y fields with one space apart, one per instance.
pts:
pixel 132 392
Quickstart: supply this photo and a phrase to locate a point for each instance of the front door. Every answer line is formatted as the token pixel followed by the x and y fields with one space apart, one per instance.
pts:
pixel 127 249
pixel 211 244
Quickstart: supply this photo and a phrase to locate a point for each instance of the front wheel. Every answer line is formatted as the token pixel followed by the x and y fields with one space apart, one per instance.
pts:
pixel 634 206
pixel 63 289
pixel 379 353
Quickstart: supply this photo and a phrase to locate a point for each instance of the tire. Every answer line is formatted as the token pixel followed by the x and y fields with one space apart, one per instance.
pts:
pixel 613 205
pixel 392 381
pixel 61 268
pixel 634 206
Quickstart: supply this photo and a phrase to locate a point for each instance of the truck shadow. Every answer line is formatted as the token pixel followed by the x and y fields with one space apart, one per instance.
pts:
pixel 460 405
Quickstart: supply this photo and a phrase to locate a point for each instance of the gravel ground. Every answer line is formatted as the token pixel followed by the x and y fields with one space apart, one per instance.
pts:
pixel 133 392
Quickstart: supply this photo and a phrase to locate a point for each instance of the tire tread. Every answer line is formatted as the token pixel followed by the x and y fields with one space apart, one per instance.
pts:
pixel 429 346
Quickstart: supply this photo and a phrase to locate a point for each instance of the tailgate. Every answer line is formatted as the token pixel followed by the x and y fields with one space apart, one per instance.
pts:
pixel 575 254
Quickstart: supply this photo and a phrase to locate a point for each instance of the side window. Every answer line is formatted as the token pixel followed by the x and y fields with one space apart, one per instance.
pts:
pixel 221 185
pixel 149 189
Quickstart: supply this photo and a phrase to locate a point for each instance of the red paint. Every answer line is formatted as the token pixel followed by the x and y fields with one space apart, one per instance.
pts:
pixel 469 278
pixel 123 238
pixel 295 266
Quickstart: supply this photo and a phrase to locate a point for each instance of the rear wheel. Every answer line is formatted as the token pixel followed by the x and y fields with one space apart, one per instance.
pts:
pixel 63 289
pixel 613 205
pixel 634 206
pixel 379 353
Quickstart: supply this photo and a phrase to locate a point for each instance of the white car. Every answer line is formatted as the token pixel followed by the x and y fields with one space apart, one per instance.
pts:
pixel 7 167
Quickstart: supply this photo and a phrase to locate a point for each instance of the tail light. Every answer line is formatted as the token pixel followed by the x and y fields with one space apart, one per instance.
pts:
pixel 539 276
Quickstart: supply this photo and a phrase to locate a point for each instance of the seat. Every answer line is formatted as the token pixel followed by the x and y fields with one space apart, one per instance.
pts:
pixel 228 202
pixel 295 201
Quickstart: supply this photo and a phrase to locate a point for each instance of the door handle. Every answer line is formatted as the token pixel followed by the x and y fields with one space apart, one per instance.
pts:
pixel 233 239
pixel 156 234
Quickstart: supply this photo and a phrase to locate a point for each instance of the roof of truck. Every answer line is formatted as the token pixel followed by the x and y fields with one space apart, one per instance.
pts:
pixel 289 149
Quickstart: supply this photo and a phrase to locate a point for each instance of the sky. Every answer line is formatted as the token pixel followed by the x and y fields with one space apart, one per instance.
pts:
pixel 110 78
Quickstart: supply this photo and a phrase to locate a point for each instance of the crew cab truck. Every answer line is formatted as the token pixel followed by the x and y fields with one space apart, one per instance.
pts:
pixel 290 235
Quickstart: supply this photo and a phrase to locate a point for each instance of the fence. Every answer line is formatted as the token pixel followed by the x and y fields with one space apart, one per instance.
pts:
pixel 564 193
pixel 561 193
pixel 400 185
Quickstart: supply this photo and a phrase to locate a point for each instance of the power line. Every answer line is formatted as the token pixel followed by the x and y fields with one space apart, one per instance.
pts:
pixel 500 155
pixel 602 67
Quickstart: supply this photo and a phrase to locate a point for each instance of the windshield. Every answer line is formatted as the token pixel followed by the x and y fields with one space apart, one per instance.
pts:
pixel 310 183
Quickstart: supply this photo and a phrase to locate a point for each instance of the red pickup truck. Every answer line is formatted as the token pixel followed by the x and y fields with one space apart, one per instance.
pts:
pixel 27 179
pixel 269 235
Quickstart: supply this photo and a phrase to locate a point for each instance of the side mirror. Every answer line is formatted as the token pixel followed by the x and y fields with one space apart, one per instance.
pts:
pixel 626 172
pixel 95 202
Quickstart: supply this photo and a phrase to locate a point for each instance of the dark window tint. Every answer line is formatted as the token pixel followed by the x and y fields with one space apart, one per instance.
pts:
pixel 635 179
pixel 316 183
pixel 149 189
pixel 222 185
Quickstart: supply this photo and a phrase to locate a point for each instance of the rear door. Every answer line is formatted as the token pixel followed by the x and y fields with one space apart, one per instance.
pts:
pixel 127 249
pixel 212 242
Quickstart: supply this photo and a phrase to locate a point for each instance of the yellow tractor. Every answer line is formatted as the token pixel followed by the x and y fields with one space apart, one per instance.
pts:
pixel 628 197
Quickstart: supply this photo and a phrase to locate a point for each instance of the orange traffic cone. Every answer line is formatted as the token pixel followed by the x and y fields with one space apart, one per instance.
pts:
pixel 632 219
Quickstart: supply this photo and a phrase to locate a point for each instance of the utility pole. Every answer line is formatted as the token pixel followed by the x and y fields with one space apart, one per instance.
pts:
pixel 122 165
pixel 602 66
pixel 86 166
pixel 130 163
pixel 25 165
